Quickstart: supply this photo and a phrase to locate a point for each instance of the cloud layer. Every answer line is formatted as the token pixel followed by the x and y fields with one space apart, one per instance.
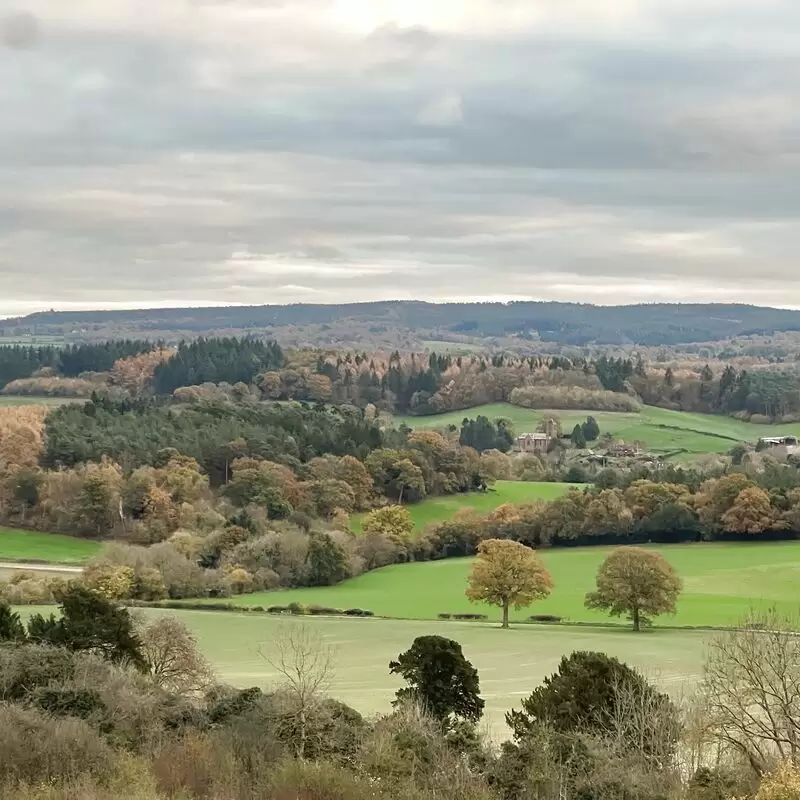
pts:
pixel 224 151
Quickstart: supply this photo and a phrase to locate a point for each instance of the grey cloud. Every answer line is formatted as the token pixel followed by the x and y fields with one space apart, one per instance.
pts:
pixel 19 31
pixel 415 159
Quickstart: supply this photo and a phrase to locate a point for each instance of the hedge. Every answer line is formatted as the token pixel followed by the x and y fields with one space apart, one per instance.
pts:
pixel 545 618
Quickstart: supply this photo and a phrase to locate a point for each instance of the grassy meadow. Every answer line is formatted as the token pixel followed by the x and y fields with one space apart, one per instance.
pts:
pixel 18 400
pixel 662 430
pixel 722 582
pixel 511 663
pixel 439 509
pixel 16 545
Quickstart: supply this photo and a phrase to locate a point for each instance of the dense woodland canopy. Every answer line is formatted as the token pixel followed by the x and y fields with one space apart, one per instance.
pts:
pixel 249 369
pixel 19 361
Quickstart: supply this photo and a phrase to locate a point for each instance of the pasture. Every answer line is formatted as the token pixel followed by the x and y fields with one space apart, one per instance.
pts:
pixel 54 548
pixel 19 400
pixel 660 429
pixel 511 663
pixel 439 509
pixel 722 582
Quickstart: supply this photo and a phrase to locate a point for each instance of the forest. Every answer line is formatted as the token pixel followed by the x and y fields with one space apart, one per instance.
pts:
pixel 565 323
pixel 252 370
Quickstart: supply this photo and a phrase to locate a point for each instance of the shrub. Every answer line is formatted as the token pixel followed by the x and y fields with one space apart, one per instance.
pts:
pixel 545 618
pixel 37 747
pixel 358 612
pixel 470 616
pixel 277 610
pixel 296 608
pixel 315 610
pixel 445 616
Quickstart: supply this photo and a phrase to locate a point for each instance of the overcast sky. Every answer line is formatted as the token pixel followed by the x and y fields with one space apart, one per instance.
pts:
pixel 272 151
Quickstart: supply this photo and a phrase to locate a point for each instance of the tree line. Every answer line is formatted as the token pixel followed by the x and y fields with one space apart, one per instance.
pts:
pixel 730 507
pixel 70 361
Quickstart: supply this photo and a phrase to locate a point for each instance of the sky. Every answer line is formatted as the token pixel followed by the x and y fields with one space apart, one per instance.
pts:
pixel 204 152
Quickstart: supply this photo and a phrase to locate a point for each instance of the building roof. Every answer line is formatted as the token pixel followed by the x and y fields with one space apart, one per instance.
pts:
pixel 533 436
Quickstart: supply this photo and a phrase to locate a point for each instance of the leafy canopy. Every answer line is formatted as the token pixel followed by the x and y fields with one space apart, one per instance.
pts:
pixel 507 573
pixel 439 678
pixel 637 582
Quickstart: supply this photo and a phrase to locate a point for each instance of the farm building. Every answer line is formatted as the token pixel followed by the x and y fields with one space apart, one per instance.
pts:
pixel 533 442
pixel 623 449
pixel 768 442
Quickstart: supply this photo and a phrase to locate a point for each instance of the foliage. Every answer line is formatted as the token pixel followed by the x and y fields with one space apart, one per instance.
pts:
pixel 11 627
pixel 136 435
pixel 88 622
pixel 507 574
pixel 216 360
pixel 597 694
pixel 327 561
pixel 636 582
pixel 781 784
pixel 440 679
pixel 482 434
pixel 20 361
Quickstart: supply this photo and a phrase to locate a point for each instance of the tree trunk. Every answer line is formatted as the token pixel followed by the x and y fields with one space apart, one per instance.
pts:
pixel 505 614
pixel 301 747
pixel 635 617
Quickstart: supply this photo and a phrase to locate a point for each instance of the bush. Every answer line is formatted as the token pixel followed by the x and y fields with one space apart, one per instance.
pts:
pixel 445 616
pixel 545 618
pixel 37 747
pixel 358 612
pixel 315 610
pixel 277 610
pixel 470 616
pixel 296 608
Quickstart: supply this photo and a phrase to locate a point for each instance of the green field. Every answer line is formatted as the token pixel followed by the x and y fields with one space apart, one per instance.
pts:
pixel 660 429
pixel 14 400
pixel 511 663
pixel 16 545
pixel 722 582
pixel 438 509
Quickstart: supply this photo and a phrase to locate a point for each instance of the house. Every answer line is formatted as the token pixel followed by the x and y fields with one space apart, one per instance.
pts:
pixel 624 450
pixel 533 442
pixel 538 442
pixel 788 442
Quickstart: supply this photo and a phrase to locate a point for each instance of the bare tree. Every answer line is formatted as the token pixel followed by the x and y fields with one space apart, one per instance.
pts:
pixel 752 689
pixel 174 659
pixel 643 723
pixel 306 666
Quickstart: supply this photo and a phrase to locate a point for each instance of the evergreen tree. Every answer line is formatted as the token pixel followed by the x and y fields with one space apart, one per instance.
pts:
pixel 577 437
pixel 11 628
pixel 591 430
pixel 90 623
pixel 440 679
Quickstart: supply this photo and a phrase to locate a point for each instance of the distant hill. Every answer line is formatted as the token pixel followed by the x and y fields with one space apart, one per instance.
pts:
pixel 564 323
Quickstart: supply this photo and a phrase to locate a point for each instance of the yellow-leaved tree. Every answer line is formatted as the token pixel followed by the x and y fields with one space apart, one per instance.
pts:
pixel 507 574
pixel 637 582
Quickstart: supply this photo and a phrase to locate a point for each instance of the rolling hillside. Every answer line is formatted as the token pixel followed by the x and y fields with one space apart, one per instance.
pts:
pixel 662 430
